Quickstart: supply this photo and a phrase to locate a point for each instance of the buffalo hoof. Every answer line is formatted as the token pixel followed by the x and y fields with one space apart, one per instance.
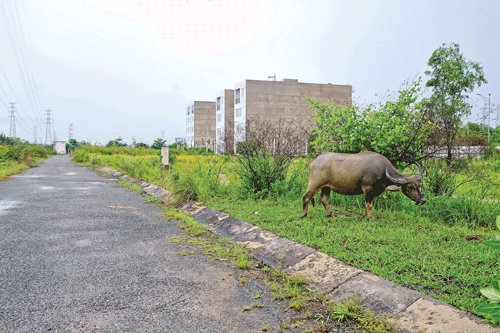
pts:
pixel 303 216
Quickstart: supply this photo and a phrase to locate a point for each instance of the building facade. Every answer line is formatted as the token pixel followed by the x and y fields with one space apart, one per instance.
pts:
pixel 200 124
pixel 224 103
pixel 275 100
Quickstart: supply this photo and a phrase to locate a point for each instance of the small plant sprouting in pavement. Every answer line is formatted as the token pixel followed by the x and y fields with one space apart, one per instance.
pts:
pixel 153 199
pixel 129 185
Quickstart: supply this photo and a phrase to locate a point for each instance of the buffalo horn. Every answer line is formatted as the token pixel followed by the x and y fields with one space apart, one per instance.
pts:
pixel 420 173
pixel 395 180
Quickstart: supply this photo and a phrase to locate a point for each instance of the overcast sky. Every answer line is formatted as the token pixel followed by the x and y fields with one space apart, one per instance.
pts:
pixel 128 68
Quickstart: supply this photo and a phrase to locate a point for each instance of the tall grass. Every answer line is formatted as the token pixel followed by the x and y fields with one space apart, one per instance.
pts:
pixel 466 195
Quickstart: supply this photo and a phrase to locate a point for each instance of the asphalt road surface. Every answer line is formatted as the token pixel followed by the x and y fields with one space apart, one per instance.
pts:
pixel 75 257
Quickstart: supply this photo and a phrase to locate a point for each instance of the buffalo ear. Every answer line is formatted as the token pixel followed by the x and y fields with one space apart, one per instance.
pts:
pixel 398 181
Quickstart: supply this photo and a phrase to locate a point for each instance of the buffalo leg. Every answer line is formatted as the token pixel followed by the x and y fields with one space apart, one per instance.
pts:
pixel 325 194
pixel 369 205
pixel 307 197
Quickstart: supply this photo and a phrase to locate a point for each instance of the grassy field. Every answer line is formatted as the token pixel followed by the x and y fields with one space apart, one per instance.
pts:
pixel 19 157
pixel 435 249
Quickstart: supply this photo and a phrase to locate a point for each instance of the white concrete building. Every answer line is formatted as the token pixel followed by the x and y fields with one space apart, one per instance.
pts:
pixel 224 102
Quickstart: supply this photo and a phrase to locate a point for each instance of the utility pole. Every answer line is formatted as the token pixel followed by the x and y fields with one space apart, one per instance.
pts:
pixel 163 135
pixel 12 132
pixel 70 132
pixel 489 112
pixel 34 135
pixel 48 122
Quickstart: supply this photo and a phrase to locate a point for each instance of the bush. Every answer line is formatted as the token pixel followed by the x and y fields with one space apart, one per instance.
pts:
pixel 81 156
pixel 438 179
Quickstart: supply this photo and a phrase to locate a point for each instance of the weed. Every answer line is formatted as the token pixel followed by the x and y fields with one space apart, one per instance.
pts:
pixel 243 280
pixel 265 328
pixel 257 296
pixel 370 322
pixel 285 325
pixel 153 199
pixel 247 308
pixel 129 185
pixel 349 309
pixel 175 240
pixel 223 278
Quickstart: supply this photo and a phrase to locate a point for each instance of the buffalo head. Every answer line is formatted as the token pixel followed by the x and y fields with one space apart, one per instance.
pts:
pixel 410 185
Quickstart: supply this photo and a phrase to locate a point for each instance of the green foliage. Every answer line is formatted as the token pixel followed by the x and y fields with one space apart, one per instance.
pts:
pixel 439 180
pixel 262 174
pixel 116 143
pixel 73 144
pixel 17 155
pixel 452 78
pixel 491 311
pixel 141 145
pixel 23 153
pixel 398 129
pixel 159 143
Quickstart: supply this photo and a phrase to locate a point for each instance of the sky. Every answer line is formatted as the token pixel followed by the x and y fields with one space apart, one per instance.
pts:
pixel 129 68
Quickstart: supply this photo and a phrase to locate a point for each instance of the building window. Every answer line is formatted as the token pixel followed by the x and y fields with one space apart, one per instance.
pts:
pixel 237 96
pixel 218 103
pixel 237 113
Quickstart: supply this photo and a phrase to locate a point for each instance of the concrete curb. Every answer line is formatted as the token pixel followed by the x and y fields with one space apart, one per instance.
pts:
pixel 417 312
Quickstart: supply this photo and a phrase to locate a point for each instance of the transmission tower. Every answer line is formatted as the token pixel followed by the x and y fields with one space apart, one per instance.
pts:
pixel 48 122
pixel 70 132
pixel 12 132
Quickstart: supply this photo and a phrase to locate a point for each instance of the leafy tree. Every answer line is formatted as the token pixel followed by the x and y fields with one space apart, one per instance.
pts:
pixel 397 129
pixel 159 143
pixel 452 78
pixel 141 145
pixel 116 143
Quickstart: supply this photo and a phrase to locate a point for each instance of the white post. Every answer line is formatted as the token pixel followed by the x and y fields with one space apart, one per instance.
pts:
pixel 164 158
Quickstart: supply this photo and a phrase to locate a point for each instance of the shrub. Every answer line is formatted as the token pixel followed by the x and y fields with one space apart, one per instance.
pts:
pixel 81 156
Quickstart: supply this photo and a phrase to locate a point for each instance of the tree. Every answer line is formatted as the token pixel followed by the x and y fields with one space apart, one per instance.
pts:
pixel 141 145
pixel 398 129
pixel 452 78
pixel 267 153
pixel 116 143
pixel 159 143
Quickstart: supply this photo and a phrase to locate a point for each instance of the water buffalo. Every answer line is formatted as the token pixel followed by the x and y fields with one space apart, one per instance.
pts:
pixel 351 174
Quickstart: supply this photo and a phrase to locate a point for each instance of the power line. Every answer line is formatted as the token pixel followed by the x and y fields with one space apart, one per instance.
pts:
pixel 13 30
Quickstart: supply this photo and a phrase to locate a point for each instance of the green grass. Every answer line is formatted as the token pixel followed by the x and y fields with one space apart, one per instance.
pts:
pixel 9 168
pixel 421 247
pixel 415 252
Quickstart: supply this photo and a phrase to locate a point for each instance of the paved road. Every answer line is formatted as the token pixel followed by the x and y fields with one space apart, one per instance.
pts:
pixel 71 263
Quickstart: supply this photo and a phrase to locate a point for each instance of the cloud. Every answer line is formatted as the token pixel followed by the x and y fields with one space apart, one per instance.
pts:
pixel 195 27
